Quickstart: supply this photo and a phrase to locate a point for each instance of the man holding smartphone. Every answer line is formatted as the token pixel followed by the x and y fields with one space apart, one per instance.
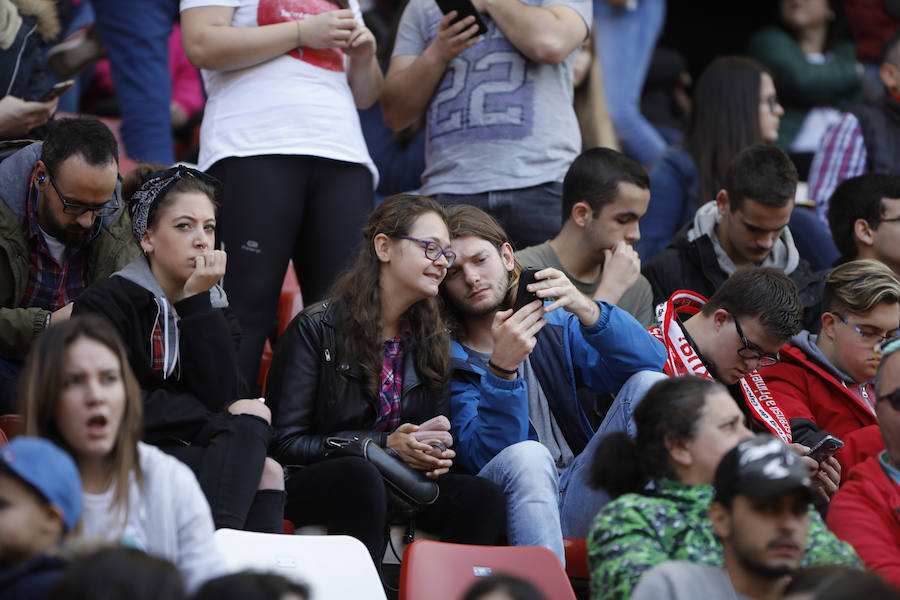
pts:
pixel 515 416
pixel 501 129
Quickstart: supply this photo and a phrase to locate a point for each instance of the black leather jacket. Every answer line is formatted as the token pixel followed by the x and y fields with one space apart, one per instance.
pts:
pixel 315 391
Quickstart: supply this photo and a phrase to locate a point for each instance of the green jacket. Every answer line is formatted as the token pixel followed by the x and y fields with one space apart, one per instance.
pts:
pixel 802 85
pixel 634 533
pixel 109 251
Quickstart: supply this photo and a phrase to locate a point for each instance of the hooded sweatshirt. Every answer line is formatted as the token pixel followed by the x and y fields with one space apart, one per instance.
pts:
pixel 196 355
pixel 816 395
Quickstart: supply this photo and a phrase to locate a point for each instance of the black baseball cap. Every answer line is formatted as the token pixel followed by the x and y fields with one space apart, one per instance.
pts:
pixel 761 468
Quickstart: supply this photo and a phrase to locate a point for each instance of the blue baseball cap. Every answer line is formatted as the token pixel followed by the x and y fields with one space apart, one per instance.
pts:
pixel 50 470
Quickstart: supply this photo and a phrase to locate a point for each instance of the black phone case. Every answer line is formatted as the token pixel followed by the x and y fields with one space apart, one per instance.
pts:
pixel 463 9
pixel 523 296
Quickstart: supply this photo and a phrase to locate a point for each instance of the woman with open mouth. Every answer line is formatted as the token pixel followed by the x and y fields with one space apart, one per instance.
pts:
pixel 182 340
pixel 80 393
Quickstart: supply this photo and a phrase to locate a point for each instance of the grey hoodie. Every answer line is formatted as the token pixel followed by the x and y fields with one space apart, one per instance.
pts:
pixel 138 272
pixel 784 254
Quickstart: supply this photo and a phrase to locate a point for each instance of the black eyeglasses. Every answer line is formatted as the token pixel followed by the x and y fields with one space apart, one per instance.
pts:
pixel 751 351
pixel 868 336
pixel 890 220
pixel 433 251
pixel 771 102
pixel 76 209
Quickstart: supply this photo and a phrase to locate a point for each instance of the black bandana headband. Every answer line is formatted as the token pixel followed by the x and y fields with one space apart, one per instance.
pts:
pixel 156 188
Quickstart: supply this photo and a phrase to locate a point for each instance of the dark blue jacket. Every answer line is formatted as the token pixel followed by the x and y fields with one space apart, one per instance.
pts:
pixel 488 413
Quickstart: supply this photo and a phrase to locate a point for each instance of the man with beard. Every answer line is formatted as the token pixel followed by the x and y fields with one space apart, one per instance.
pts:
pixel 514 412
pixel 61 228
pixel 760 514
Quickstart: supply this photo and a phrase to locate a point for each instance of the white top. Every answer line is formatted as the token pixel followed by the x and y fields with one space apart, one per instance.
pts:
pixel 168 517
pixel 299 103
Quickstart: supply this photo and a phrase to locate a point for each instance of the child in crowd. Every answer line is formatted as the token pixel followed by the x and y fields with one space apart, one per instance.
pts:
pixel 80 393
pixel 40 502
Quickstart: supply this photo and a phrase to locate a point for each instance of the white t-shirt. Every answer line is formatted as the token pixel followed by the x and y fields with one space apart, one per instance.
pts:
pixel 299 103
pixel 100 520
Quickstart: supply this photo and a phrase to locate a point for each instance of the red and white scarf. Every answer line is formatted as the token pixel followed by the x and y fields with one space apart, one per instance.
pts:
pixel 682 359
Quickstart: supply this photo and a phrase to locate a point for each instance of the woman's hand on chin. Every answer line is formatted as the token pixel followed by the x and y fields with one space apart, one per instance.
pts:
pixel 417 454
pixel 209 268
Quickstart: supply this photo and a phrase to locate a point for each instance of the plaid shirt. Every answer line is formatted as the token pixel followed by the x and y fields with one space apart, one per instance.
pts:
pixel 51 285
pixel 841 155
pixel 391 382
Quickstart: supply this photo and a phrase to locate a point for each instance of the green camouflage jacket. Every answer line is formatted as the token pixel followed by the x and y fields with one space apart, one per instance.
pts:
pixel 636 532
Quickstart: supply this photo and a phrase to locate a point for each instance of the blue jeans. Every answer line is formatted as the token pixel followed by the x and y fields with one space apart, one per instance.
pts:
pixel 624 41
pixel 530 216
pixel 542 506
pixel 813 239
pixel 136 35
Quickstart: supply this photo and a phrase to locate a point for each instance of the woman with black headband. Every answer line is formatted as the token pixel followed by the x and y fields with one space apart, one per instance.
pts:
pixel 182 339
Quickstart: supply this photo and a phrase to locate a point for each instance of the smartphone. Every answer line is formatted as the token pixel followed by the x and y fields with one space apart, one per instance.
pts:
pixel 523 296
pixel 825 448
pixel 57 90
pixel 463 8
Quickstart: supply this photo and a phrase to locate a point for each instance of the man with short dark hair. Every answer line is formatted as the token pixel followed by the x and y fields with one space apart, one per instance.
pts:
pixel 61 228
pixel 864 216
pixel 747 224
pixel 760 514
pixel 605 194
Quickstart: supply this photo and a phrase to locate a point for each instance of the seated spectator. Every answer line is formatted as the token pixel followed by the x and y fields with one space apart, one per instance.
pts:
pixel 685 426
pixel 119 573
pixel 863 215
pixel 760 514
pixel 514 415
pixel 80 393
pixel 734 106
pixel 838 582
pixel 374 362
pixel 182 339
pixel 248 585
pixel 503 587
pixel 605 194
pixel 747 224
pixel 864 511
pixel 813 63
pixel 62 230
pixel 40 502
pixel 862 141
pixel 823 382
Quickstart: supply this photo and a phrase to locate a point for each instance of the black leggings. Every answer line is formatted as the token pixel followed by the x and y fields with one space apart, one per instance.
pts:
pixel 347 495
pixel 227 456
pixel 277 208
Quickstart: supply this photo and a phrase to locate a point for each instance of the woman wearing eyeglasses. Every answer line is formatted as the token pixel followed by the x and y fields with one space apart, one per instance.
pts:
pixel 374 361
pixel 181 338
pixel 823 381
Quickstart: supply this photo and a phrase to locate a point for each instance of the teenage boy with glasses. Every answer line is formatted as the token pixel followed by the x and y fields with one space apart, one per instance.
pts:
pixel 864 511
pixel 60 230
pixel 823 381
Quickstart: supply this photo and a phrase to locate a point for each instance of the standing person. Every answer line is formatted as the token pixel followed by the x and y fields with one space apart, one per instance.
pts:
pixel 80 393
pixel 813 63
pixel 182 338
pixel 734 106
pixel 281 132
pixel 760 513
pixel 374 361
pixel 501 128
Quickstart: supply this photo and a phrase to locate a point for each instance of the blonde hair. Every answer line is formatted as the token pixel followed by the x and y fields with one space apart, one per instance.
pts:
pixel 858 286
